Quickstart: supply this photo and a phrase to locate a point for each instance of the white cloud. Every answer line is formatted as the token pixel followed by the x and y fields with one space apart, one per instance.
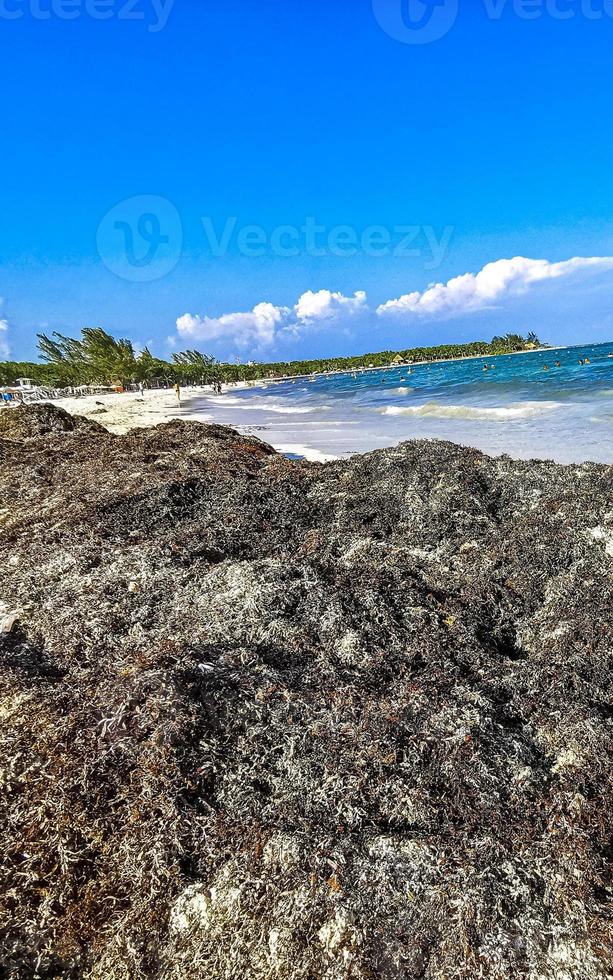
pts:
pixel 254 328
pixel 266 323
pixel 5 350
pixel 471 292
pixel 325 305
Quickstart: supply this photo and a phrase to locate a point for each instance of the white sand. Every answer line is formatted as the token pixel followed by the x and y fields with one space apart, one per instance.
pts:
pixel 128 410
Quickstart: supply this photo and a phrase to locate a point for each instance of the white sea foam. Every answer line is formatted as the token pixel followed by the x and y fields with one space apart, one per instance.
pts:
pixel 268 405
pixel 503 413
pixel 291 409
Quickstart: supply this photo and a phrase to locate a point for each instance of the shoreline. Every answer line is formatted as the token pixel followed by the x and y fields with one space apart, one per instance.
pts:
pixel 122 411
pixel 307 421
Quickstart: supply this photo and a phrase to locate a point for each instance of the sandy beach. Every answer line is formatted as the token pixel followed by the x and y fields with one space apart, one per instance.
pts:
pixel 120 412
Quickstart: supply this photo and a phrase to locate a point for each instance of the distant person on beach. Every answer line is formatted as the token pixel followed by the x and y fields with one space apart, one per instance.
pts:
pixel 178 392
pixel 141 389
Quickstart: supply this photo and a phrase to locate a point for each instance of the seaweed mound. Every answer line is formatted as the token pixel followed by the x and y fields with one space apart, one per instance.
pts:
pixel 272 719
pixel 31 421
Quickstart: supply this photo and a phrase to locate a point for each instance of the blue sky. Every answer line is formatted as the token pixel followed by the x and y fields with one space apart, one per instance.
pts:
pixel 129 143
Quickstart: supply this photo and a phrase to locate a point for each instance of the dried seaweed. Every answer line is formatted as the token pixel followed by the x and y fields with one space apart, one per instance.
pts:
pixel 267 719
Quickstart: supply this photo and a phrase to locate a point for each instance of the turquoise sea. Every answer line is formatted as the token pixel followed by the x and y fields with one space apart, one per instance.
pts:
pixel 517 406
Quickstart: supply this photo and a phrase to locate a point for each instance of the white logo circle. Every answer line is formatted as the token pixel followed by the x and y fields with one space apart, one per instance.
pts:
pixel 140 239
pixel 416 21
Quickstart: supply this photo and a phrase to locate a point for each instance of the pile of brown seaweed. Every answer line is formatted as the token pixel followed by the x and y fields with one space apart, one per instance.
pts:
pixel 271 719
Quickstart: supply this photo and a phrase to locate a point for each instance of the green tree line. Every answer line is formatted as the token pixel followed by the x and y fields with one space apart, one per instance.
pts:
pixel 98 358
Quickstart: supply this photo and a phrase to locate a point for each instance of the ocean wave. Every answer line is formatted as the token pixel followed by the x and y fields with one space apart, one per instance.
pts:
pixel 267 405
pixel 503 413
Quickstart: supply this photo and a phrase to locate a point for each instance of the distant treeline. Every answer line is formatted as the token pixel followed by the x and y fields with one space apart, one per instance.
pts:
pixel 99 358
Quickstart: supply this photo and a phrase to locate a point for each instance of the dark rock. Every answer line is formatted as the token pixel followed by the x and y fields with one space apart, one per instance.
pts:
pixel 264 718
